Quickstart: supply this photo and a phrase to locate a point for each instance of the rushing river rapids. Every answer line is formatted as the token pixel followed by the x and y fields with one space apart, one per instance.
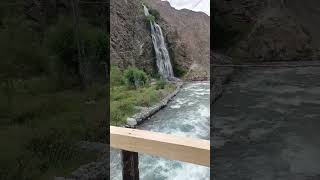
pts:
pixel 187 115
pixel 266 125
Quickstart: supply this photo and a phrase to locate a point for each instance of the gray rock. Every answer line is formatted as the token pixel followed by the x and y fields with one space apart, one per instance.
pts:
pixel 131 122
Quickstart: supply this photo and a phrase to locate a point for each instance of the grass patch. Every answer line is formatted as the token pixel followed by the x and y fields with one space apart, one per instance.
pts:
pixel 124 98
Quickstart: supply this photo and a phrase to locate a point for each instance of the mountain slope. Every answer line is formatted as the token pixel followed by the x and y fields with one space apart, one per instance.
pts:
pixel 267 30
pixel 130 40
pixel 191 32
pixel 186 33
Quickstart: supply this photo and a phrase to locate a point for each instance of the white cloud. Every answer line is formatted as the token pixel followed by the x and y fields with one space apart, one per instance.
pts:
pixel 195 5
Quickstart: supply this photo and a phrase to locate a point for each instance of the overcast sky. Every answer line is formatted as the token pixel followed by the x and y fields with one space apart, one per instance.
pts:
pixel 195 5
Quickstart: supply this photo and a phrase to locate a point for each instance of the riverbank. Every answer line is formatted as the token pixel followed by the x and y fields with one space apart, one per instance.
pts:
pixel 126 102
pixel 132 90
pixel 147 112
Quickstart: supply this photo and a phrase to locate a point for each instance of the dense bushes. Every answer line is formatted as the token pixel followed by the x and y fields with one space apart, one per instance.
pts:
pixel 135 78
pixel 132 77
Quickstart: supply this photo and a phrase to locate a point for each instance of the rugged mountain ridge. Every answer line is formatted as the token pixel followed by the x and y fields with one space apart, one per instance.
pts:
pixel 267 30
pixel 187 35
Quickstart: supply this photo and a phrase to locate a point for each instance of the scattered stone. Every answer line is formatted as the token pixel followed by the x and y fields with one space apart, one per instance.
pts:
pixel 131 122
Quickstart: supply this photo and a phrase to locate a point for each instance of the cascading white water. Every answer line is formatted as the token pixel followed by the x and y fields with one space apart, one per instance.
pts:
pixel 162 54
pixel 187 115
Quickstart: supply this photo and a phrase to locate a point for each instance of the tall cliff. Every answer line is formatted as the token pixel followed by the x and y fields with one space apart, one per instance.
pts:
pixel 267 30
pixel 130 40
pixel 187 35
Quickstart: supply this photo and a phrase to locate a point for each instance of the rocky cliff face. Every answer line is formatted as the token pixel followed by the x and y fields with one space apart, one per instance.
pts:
pixel 130 40
pixel 187 35
pixel 188 38
pixel 267 30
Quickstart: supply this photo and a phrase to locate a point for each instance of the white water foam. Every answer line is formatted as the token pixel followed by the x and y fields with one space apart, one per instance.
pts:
pixel 188 115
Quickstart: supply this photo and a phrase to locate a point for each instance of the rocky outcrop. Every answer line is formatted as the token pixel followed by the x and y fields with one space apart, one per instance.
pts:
pixel 188 38
pixel 267 30
pixel 130 40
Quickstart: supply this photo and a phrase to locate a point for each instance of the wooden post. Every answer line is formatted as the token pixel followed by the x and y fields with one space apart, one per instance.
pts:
pixel 130 165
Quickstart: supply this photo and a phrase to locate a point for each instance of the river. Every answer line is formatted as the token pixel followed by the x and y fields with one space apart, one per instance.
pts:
pixel 266 125
pixel 187 115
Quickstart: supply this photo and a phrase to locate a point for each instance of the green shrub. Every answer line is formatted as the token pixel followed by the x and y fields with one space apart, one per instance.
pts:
pixel 135 78
pixel 160 84
pixel 155 14
pixel 150 18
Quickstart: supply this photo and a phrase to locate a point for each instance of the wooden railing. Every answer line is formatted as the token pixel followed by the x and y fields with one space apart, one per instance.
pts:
pixel 134 141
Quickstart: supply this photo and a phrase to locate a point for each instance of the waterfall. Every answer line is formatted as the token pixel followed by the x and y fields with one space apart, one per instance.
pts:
pixel 162 54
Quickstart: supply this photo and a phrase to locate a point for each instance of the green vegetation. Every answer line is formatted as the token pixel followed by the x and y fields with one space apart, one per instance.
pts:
pixel 124 98
pixel 135 78
pixel 150 18
pixel 44 110
pixel 160 84
pixel 178 70
pixel 155 14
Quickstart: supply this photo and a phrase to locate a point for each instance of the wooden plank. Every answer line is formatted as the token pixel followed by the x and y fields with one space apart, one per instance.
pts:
pixel 196 151
pixel 130 165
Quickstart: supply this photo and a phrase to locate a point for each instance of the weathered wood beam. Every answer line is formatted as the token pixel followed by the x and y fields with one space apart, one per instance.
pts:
pixel 130 165
pixel 196 151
